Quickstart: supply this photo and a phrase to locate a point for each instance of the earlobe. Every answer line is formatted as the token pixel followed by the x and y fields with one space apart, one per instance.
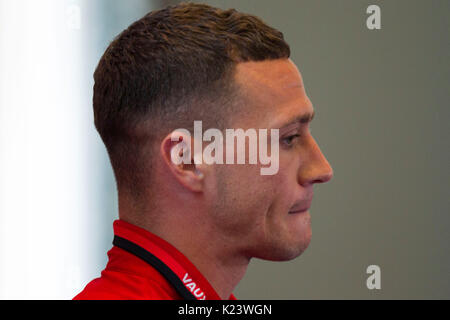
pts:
pixel 176 152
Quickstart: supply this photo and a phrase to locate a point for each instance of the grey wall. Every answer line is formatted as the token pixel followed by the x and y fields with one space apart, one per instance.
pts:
pixel 382 102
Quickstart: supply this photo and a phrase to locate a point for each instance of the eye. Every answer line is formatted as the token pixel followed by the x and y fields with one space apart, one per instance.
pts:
pixel 288 141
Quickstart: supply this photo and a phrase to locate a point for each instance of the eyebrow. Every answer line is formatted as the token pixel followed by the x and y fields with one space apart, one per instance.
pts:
pixel 302 119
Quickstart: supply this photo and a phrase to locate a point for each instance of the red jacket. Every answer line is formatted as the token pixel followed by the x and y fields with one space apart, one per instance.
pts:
pixel 143 266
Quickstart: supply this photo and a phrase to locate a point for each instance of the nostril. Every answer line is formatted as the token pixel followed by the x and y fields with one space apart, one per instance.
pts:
pixel 325 177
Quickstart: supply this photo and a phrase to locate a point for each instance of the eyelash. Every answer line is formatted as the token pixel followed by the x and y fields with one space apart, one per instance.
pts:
pixel 290 138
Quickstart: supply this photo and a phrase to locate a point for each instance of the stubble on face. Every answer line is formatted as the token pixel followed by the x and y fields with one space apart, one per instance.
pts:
pixel 250 210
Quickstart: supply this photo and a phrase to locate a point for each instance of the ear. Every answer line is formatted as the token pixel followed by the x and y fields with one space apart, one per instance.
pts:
pixel 176 150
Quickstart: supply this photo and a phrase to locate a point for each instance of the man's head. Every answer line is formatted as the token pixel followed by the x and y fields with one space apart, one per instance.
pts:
pixel 168 69
pixel 268 214
pixel 229 70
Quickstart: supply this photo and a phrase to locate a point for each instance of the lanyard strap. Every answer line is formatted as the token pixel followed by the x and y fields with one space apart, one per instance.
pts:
pixel 156 263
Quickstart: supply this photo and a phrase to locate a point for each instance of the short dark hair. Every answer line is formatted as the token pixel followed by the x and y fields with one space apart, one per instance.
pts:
pixel 170 67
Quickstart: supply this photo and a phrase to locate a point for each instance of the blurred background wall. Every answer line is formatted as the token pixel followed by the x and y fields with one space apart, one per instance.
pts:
pixel 57 190
pixel 382 103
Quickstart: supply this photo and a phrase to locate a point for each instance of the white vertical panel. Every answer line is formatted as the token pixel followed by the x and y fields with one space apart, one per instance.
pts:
pixel 57 192
pixel 42 150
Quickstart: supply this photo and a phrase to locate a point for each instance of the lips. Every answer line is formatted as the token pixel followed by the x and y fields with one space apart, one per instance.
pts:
pixel 301 206
pixel 298 210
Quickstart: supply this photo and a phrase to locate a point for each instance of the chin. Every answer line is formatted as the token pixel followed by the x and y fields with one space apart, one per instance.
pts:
pixel 285 249
pixel 295 238
pixel 293 251
pixel 283 254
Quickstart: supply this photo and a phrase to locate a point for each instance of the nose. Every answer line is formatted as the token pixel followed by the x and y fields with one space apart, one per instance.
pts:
pixel 315 167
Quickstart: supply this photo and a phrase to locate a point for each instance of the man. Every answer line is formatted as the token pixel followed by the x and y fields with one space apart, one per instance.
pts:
pixel 188 230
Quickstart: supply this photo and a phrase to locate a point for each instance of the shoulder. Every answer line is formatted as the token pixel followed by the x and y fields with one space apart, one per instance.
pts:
pixel 119 285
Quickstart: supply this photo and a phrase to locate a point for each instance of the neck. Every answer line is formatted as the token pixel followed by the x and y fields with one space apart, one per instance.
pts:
pixel 221 264
pixel 222 267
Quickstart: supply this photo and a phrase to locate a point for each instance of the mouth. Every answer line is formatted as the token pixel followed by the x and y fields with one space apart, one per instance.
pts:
pixel 298 211
pixel 300 206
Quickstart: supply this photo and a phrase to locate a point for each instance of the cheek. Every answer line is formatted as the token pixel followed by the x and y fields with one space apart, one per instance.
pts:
pixel 285 187
pixel 246 202
pixel 244 197
pixel 254 196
